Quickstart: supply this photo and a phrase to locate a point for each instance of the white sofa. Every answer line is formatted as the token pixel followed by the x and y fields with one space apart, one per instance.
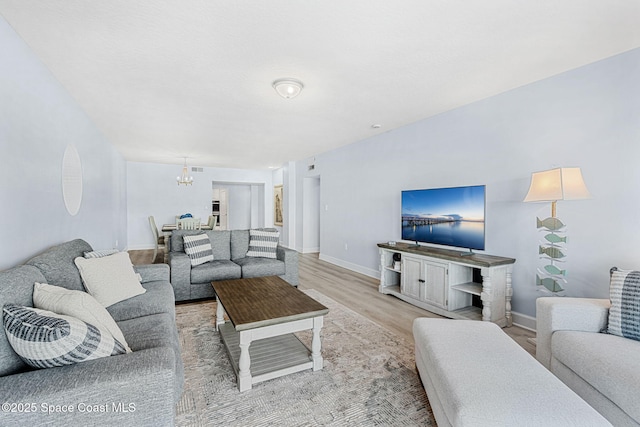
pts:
pixel 603 369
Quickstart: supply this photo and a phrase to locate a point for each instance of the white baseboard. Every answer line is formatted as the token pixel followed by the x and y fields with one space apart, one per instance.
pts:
pixel 524 321
pixel 350 266
pixel 310 250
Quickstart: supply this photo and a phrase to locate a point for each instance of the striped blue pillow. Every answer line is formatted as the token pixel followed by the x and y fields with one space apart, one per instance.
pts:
pixel 624 314
pixel 263 243
pixel 198 247
pixel 100 254
pixel 44 339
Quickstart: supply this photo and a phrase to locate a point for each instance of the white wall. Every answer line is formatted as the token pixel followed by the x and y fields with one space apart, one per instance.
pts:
pixel 152 190
pixel 311 215
pixel 38 119
pixel 587 118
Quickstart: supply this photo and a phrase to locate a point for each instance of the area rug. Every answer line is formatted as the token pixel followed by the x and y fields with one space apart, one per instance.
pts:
pixel 369 378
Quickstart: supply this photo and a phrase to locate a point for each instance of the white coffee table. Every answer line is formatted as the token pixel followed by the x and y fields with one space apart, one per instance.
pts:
pixel 264 313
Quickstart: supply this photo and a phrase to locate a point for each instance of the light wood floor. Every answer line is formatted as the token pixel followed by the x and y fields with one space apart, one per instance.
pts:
pixel 360 293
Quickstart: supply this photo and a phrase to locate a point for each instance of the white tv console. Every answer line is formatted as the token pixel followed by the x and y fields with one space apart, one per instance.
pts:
pixel 442 281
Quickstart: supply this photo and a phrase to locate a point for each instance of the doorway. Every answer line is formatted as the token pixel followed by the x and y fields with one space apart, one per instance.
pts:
pixel 240 205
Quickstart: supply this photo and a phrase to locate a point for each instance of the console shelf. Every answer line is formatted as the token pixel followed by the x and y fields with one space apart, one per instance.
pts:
pixel 472 288
pixel 445 281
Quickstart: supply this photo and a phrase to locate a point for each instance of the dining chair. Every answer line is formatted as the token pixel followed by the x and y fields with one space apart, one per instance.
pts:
pixel 211 224
pixel 157 237
pixel 189 224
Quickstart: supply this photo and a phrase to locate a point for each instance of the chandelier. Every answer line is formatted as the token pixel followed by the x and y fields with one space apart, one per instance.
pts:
pixel 184 178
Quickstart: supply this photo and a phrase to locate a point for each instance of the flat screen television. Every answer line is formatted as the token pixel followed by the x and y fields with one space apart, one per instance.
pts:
pixel 445 216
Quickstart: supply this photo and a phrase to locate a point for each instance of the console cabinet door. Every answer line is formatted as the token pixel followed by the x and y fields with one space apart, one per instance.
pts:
pixel 435 289
pixel 411 277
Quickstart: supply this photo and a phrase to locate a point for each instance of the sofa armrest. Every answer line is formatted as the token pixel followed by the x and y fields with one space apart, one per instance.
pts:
pixel 130 389
pixel 567 314
pixel 153 272
pixel 180 267
pixel 290 258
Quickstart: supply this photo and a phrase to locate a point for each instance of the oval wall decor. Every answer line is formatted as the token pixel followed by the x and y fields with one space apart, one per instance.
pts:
pixel 72 180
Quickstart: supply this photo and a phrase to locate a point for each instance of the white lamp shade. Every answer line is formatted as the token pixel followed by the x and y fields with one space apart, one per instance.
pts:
pixel 557 184
pixel 288 88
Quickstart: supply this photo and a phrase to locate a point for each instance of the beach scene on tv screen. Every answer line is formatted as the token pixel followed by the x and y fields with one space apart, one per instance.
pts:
pixel 445 216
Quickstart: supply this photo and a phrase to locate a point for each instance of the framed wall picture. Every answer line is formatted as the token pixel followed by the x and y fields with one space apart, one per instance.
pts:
pixel 277 205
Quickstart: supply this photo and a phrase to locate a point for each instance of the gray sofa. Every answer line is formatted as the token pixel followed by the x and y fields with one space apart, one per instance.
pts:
pixel 603 369
pixel 230 248
pixel 139 388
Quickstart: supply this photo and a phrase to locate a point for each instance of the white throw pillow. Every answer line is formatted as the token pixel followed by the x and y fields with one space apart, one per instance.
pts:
pixel 110 279
pixel 78 304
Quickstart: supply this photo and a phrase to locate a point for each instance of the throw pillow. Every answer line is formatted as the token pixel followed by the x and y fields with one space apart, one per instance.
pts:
pixel 110 279
pixel 198 247
pixel 100 254
pixel 44 339
pixel 624 314
pixel 263 243
pixel 78 304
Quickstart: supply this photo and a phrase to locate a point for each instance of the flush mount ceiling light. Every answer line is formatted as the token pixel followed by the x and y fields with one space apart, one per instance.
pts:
pixel 288 88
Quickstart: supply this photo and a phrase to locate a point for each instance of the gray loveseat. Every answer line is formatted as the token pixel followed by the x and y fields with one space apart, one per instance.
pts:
pixel 230 248
pixel 601 368
pixel 139 388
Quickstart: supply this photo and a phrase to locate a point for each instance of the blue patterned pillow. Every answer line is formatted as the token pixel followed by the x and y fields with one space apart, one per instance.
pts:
pixel 263 243
pixel 198 247
pixel 624 314
pixel 44 339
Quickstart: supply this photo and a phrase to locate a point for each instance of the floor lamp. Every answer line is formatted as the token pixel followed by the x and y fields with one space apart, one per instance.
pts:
pixel 550 186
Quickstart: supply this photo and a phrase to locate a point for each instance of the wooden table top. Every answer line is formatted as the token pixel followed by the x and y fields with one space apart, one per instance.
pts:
pixel 480 260
pixel 263 301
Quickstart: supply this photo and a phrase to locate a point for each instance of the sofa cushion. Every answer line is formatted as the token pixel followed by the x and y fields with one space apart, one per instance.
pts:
pixel 624 314
pixel 16 287
pixel 56 264
pixel 198 247
pixel 44 339
pixel 608 362
pixel 153 331
pixel 263 243
pixel 215 270
pixel 220 244
pixel 157 299
pixel 260 267
pixel 78 304
pixel 239 244
pixel 177 239
pixel 110 279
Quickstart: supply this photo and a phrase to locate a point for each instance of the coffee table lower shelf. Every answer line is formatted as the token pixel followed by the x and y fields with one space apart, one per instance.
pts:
pixel 270 357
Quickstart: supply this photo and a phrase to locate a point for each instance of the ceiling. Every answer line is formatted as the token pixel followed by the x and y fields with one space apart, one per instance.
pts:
pixel 167 79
